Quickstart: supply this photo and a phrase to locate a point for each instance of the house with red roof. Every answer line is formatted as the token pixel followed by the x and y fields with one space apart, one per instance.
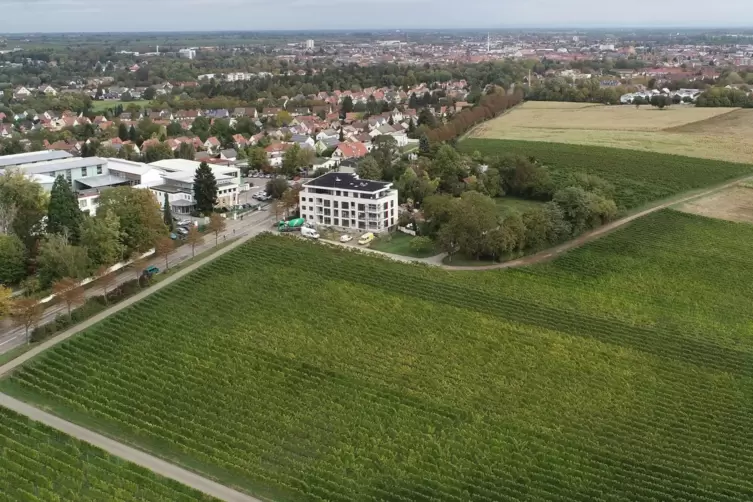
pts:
pixel 350 150
pixel 212 144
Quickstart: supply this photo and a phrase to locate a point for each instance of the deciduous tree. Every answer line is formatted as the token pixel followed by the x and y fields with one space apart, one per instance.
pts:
pixel 70 291
pixel 106 280
pixel 139 215
pixel 58 259
pixel 12 259
pixel 164 247
pixel 26 312
pixel 194 238
pixel 6 301
pixel 216 226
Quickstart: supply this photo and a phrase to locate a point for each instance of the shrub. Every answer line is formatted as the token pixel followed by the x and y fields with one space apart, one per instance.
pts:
pixel 421 245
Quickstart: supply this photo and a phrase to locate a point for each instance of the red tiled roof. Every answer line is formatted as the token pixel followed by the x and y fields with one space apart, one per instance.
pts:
pixel 354 149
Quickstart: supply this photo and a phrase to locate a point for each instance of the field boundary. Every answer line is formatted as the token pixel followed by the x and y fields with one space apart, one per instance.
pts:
pixel 679 129
pixel 125 452
pixel 21 359
pixel 551 253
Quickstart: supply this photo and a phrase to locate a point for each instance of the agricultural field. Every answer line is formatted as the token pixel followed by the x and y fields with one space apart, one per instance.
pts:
pixel 41 464
pixel 710 133
pixel 733 204
pixel 638 177
pixel 296 371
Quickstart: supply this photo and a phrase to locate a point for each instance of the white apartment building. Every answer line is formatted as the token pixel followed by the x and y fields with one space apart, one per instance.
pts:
pixel 310 45
pixel 177 182
pixel 343 200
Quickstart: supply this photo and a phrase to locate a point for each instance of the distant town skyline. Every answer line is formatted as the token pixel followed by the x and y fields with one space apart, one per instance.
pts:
pixel 38 16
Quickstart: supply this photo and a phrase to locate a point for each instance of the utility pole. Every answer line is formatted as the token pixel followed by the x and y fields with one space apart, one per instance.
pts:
pixel 488 43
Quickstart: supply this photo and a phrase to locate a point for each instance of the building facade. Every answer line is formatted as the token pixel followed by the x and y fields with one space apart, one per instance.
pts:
pixel 343 200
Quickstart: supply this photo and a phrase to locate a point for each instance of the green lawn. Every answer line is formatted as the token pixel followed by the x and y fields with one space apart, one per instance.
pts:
pixel 399 243
pixel 509 205
pixel 100 106
pixel 621 371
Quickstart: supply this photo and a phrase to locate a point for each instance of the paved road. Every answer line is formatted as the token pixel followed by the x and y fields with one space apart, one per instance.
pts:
pixel 252 224
pixel 126 452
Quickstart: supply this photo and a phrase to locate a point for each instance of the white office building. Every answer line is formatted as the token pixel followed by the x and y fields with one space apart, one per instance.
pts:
pixel 176 180
pixel 342 200
pixel 187 53
pixel 309 45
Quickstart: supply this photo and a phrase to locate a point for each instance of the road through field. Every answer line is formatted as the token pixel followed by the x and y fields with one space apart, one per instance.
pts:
pixel 138 457
pixel 252 224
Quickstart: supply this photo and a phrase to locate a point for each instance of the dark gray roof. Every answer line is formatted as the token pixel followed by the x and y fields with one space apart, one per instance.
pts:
pixel 347 181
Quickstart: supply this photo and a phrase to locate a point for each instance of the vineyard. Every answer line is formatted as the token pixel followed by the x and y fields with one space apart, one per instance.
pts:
pixel 40 464
pixel 638 177
pixel 621 371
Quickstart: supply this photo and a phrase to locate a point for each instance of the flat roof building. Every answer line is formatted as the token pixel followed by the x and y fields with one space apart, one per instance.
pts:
pixel 343 200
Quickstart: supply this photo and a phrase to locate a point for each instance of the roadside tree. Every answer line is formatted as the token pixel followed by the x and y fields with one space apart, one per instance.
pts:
pixel 194 238
pixel 164 247
pixel 26 312
pixel 216 226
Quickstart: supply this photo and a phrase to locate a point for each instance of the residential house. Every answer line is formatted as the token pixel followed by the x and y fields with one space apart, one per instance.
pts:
pixel 21 93
pixel 275 152
pixel 212 144
pixel 240 141
pixel 349 150
pixel 229 154
pixel 48 90
pixel 302 140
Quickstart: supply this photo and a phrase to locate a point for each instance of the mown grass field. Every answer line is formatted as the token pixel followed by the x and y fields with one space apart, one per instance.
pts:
pixel 41 464
pixel 100 106
pixel 710 133
pixel 621 371
pixel 638 177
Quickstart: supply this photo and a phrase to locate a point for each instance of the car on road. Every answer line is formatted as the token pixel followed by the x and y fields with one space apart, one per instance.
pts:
pixel 150 271
pixel 346 238
pixel 309 233
pixel 366 238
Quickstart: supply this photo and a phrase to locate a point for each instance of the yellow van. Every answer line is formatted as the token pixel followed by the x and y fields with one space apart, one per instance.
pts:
pixel 366 238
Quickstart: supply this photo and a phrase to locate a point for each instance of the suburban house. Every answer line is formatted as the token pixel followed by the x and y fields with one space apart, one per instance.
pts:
pixel 350 150
pixel 342 200
pixel 212 144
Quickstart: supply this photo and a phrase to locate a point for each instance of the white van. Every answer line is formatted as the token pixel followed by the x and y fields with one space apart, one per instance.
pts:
pixel 309 232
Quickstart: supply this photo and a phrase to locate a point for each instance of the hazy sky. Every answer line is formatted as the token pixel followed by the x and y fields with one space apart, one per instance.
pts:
pixel 179 15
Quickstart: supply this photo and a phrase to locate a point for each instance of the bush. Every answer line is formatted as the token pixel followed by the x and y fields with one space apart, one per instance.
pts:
pixel 421 245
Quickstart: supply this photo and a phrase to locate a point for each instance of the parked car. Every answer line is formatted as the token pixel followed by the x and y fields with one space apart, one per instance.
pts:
pixel 366 238
pixel 182 231
pixel 150 271
pixel 309 233
pixel 346 238
pixel 185 223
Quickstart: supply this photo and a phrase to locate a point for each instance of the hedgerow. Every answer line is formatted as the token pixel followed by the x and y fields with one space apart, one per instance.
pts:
pixel 638 177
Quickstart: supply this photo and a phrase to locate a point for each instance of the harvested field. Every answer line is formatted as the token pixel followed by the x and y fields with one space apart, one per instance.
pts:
pixel 733 204
pixel 712 133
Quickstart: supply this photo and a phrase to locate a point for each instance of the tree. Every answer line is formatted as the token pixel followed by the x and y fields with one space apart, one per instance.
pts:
pixel 149 94
pixel 6 301
pixel 368 169
pixel 167 216
pixel 63 214
pixel 194 238
pixel 137 261
pixel 216 226
pixel 290 199
pixel 12 259
pixel 160 151
pixel 133 135
pixel 58 259
pixel 471 219
pixel 347 106
pixel 139 215
pixel 423 145
pixel 23 205
pixel 186 151
pixel 26 312
pixel 70 291
pixel 205 189
pixel 421 245
pixel 341 137
pixel 102 239
pixel 384 152
pixel 257 159
pixel 123 132
pixel 292 160
pixel 164 247
pixel 276 187
pixel 660 101
pixel 106 280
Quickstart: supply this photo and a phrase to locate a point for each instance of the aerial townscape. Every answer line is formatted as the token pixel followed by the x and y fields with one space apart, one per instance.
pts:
pixel 323 262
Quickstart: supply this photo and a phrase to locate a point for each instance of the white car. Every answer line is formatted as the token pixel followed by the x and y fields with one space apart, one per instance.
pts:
pixel 345 238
